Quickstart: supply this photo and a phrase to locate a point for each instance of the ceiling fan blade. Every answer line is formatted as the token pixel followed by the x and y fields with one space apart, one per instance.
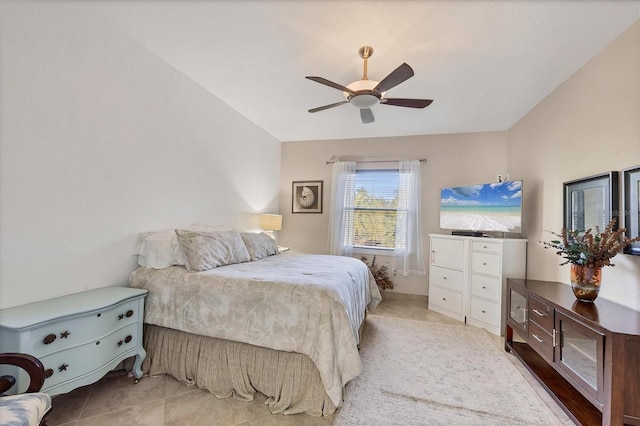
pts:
pixel 366 115
pixel 330 84
pixel 322 108
pixel 409 103
pixel 397 76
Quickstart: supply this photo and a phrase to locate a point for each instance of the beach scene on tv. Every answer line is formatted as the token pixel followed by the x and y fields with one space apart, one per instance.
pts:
pixel 491 207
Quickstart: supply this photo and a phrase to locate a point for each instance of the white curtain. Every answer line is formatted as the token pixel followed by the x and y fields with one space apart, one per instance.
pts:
pixel 408 257
pixel 342 204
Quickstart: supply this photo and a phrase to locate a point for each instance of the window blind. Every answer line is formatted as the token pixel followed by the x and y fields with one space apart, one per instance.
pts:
pixel 375 209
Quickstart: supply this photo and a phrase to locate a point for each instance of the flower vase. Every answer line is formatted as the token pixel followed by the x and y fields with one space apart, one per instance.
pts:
pixel 585 282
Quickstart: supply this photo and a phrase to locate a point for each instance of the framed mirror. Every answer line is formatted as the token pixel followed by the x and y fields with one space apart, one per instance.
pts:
pixel 631 197
pixel 591 202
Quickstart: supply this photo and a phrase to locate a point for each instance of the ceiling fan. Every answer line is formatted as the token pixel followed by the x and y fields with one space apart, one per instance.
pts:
pixel 365 93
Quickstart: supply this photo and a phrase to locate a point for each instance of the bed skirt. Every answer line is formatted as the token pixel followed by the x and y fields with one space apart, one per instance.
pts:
pixel 290 380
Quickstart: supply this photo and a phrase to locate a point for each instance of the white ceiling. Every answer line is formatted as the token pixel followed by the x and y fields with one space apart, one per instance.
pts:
pixel 485 63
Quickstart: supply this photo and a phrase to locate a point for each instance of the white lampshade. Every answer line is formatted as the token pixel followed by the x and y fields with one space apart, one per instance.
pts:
pixel 270 222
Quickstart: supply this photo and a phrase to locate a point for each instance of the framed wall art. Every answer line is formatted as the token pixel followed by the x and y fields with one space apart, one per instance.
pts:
pixel 591 202
pixel 631 202
pixel 306 197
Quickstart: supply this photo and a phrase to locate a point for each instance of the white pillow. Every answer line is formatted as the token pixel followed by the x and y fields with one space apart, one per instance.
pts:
pixel 159 249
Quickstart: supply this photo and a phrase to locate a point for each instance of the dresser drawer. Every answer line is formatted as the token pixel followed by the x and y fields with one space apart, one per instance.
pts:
pixel 74 362
pixel 540 340
pixel 485 246
pixel 541 314
pixel 486 287
pixel 485 311
pixel 447 278
pixel 80 329
pixel 485 263
pixel 445 298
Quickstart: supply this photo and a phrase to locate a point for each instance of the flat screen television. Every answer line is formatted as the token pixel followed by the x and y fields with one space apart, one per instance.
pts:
pixel 476 209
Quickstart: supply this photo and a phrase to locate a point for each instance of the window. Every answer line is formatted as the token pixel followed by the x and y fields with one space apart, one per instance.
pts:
pixel 378 209
pixel 375 210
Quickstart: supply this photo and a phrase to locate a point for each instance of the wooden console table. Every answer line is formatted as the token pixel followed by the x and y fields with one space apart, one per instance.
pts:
pixel 586 355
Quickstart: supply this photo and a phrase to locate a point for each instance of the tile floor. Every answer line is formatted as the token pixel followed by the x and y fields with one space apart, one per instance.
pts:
pixel 115 400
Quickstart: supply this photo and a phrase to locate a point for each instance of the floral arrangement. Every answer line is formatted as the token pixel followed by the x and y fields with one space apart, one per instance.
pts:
pixel 380 274
pixel 589 249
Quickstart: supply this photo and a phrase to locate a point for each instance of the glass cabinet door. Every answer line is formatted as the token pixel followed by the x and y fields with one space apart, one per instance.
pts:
pixel 518 311
pixel 579 354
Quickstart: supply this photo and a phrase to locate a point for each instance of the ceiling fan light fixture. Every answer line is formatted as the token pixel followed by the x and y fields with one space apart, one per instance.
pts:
pixel 362 100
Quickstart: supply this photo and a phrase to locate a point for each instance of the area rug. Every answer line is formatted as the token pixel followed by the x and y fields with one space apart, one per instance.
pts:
pixel 424 373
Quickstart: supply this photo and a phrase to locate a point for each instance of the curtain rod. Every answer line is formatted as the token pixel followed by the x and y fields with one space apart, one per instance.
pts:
pixel 422 160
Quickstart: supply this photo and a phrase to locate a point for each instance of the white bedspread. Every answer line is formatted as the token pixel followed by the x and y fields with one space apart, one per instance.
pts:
pixel 310 304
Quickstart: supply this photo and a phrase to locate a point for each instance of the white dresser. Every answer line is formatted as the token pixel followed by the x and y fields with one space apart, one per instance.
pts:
pixel 79 338
pixel 467 277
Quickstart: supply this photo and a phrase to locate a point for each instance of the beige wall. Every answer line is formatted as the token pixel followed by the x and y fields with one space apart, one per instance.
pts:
pixel 588 125
pixel 101 140
pixel 458 159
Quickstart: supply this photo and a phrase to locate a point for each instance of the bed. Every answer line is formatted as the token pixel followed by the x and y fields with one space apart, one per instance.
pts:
pixel 286 325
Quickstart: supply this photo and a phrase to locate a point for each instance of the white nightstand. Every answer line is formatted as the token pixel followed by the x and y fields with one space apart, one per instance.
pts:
pixel 79 338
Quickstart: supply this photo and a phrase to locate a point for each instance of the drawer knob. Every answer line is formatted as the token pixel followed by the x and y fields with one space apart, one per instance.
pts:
pixel 444 278
pixel 63 367
pixel 128 314
pixel 128 339
pixel 483 311
pixel 444 298
pixel 484 287
pixel 484 263
pixel 49 339
pixel 48 373
pixel 537 338
pixel 484 247
pixel 64 334
pixel 542 314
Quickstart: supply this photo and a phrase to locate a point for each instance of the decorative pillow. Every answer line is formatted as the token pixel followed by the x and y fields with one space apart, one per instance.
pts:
pixel 160 249
pixel 259 245
pixel 206 250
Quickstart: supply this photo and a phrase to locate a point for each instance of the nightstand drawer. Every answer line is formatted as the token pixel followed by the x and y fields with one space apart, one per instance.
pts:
pixel 447 278
pixel 81 329
pixel 485 263
pixel 541 314
pixel 75 362
pixel 486 287
pixel 485 311
pixel 446 299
